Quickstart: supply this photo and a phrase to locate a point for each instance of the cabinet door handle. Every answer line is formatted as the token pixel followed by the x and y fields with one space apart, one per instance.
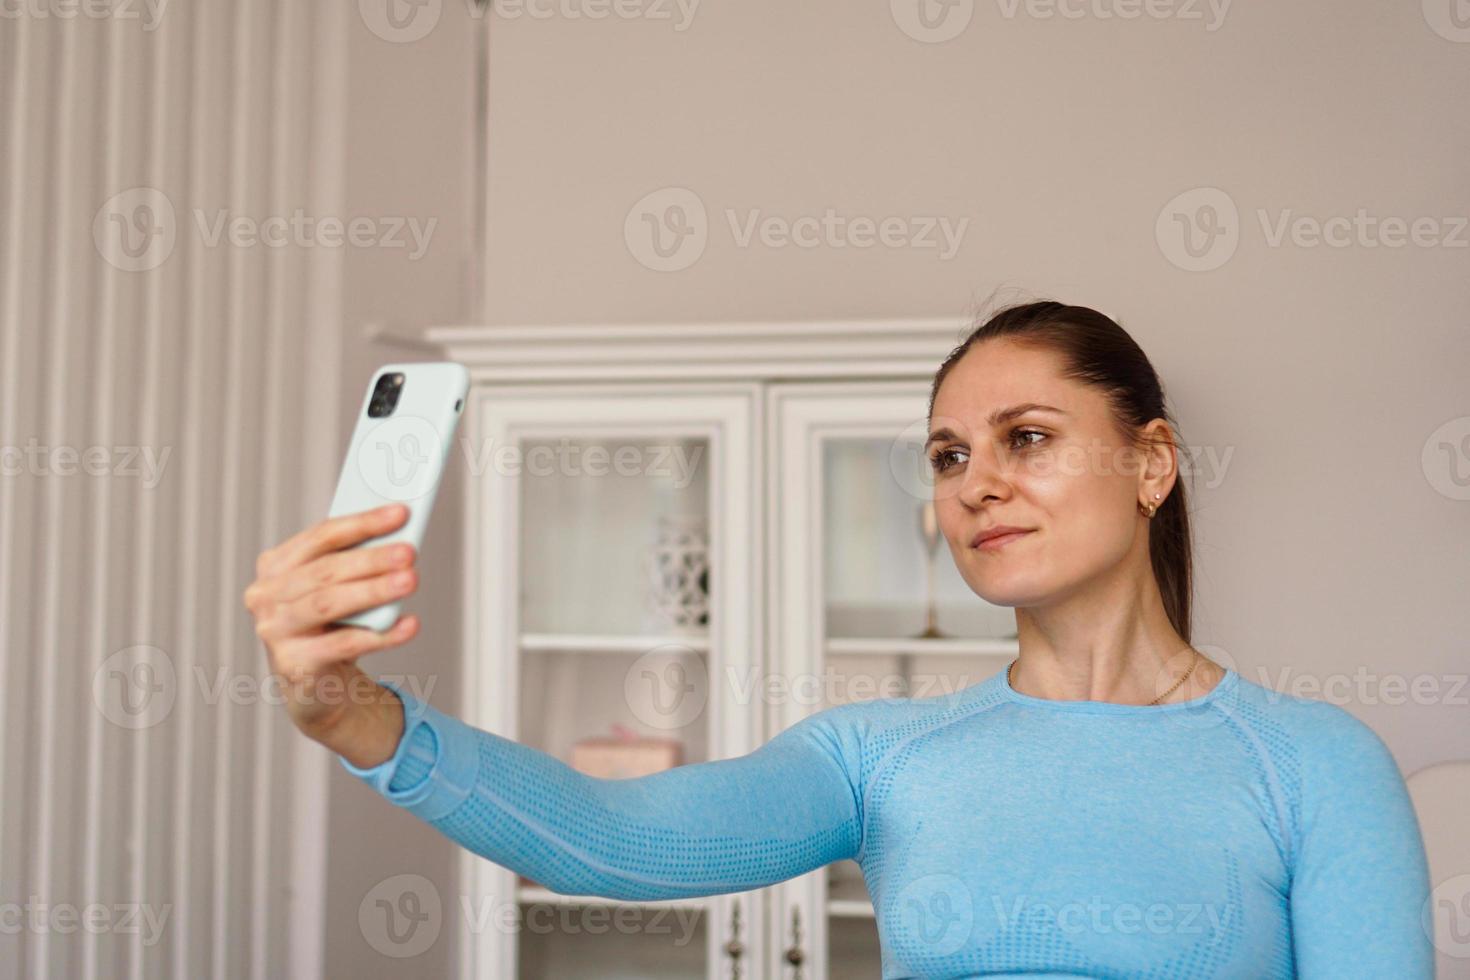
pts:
pixel 734 948
pixel 794 954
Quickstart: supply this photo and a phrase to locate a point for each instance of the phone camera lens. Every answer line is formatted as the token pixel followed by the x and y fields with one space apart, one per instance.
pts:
pixel 386 391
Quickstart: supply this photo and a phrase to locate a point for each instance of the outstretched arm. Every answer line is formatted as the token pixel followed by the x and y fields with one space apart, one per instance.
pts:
pixel 705 828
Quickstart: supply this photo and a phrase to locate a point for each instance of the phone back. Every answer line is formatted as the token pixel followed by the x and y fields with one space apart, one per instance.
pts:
pixel 400 457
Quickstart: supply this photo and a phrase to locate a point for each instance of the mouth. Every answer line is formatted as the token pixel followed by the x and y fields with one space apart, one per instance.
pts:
pixel 997 538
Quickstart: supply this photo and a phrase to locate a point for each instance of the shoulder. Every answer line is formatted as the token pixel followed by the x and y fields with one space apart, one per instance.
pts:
pixel 1329 754
pixel 1344 791
pixel 1325 736
pixel 863 733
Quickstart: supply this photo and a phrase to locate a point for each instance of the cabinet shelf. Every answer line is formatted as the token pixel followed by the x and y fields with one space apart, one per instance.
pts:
pixel 612 643
pixel 538 895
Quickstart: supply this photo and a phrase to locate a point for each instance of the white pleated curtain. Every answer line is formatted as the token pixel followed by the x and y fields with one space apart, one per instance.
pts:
pixel 151 385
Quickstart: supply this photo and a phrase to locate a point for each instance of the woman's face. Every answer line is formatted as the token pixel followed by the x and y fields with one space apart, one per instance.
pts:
pixel 1068 475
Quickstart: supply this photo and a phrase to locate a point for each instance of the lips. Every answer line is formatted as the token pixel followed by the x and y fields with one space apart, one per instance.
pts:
pixel 999 536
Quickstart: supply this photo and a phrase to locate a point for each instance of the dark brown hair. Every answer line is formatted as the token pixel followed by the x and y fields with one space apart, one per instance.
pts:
pixel 1095 350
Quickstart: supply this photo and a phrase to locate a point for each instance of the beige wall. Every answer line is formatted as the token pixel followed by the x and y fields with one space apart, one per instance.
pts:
pixel 407 155
pixel 1311 376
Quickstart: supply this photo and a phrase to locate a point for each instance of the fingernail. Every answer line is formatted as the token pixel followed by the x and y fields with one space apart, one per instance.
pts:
pixel 402 580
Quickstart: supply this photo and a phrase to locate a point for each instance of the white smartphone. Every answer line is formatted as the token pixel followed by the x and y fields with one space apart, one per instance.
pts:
pixel 404 433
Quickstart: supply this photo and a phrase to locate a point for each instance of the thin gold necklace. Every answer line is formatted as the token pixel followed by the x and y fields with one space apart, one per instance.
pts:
pixel 1156 700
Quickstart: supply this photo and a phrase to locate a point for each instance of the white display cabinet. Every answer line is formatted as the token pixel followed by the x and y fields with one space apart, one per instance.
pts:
pixel 658 515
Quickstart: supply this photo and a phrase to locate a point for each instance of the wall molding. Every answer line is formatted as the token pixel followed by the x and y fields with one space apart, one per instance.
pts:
pixel 877 348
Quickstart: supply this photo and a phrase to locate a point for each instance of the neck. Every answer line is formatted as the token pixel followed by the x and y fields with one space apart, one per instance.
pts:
pixel 1110 641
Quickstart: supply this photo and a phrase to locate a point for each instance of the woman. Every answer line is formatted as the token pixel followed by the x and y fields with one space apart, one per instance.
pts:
pixel 1112 805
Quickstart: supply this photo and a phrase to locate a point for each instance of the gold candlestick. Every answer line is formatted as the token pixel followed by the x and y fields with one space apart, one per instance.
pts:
pixel 929 530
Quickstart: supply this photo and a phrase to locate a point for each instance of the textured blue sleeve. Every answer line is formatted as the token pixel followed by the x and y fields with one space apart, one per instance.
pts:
pixel 1361 879
pixel 705 828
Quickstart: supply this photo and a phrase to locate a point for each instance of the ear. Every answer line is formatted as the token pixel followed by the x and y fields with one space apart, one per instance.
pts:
pixel 1159 466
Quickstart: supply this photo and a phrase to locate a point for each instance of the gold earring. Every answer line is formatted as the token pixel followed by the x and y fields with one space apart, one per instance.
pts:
pixel 1151 507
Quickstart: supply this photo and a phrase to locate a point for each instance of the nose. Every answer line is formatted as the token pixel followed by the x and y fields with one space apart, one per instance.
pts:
pixel 982 480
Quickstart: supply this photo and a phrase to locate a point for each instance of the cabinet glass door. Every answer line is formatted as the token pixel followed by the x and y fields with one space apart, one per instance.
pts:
pixel 867 601
pixel 613 556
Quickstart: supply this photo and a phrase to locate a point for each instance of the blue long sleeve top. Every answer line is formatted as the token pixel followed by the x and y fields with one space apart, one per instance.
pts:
pixel 1243 833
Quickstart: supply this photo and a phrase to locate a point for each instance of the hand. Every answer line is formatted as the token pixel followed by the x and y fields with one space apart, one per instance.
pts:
pixel 301 587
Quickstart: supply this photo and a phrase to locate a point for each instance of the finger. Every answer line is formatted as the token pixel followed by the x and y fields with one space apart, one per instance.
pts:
pixel 342 566
pixel 332 534
pixel 351 642
pixel 325 606
pixel 303 660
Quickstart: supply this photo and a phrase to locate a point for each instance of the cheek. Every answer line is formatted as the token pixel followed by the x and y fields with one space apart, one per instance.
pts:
pixel 954 521
pixel 1085 515
pixel 1086 530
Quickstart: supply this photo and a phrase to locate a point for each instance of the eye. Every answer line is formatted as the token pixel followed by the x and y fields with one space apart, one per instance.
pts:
pixel 940 461
pixel 1027 432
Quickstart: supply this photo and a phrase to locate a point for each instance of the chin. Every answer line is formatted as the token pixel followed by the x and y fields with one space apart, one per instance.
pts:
pixel 1007 589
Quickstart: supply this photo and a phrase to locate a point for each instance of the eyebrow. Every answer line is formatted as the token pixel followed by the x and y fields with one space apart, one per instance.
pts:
pixel 998 417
